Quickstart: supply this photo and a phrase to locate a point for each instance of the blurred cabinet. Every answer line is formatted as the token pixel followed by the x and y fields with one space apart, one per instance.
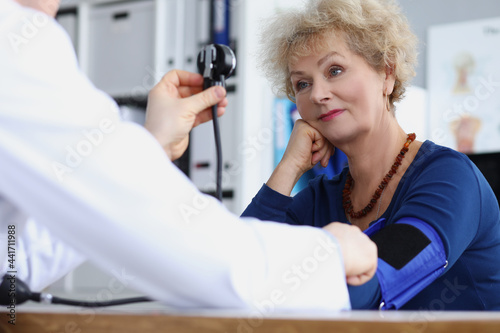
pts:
pixel 125 47
pixel 121 48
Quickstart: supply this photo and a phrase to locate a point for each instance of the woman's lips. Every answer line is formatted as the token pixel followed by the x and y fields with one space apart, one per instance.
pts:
pixel 331 114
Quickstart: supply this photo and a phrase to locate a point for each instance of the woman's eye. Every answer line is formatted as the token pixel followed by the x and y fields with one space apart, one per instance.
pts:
pixel 301 85
pixel 335 70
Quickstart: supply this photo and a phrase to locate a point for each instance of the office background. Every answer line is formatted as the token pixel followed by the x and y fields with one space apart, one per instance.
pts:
pixel 126 46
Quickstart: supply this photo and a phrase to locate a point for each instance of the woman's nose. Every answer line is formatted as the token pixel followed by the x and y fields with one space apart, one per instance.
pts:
pixel 320 92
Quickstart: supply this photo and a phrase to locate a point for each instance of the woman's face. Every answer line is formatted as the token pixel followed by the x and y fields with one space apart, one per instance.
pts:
pixel 338 92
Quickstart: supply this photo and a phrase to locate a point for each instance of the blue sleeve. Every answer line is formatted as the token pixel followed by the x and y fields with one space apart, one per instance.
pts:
pixel 269 205
pixel 304 208
pixel 445 193
pixel 366 296
pixel 442 190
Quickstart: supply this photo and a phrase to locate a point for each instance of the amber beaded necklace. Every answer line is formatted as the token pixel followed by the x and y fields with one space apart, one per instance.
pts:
pixel 346 193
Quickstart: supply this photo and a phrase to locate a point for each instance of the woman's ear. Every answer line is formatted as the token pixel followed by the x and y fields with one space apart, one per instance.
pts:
pixel 390 80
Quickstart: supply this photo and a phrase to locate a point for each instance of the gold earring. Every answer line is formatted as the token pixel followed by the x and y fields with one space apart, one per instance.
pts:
pixel 387 105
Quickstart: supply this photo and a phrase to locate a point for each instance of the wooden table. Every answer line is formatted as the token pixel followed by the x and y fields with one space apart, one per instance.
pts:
pixel 57 319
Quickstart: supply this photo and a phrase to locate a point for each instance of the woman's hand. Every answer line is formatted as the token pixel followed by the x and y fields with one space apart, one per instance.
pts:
pixel 306 147
pixel 358 251
pixel 176 105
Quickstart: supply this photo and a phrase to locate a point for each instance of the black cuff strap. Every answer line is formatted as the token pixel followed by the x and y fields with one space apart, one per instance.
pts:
pixel 398 244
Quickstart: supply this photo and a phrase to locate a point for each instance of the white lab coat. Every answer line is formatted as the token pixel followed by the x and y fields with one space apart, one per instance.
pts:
pixel 78 183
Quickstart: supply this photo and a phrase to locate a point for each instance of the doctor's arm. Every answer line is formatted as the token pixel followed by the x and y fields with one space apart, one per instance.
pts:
pixel 176 105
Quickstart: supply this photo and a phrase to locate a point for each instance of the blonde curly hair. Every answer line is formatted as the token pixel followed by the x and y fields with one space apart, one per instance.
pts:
pixel 373 29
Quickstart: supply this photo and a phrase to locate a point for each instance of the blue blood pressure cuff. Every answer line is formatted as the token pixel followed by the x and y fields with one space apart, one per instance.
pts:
pixel 411 256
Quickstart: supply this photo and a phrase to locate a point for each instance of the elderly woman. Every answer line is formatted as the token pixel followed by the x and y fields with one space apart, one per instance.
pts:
pixel 433 216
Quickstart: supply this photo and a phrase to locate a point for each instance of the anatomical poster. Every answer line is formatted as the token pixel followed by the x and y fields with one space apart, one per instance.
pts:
pixel 463 82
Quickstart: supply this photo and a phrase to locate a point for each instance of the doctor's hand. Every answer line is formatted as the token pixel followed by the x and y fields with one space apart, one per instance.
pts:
pixel 176 105
pixel 306 147
pixel 359 252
